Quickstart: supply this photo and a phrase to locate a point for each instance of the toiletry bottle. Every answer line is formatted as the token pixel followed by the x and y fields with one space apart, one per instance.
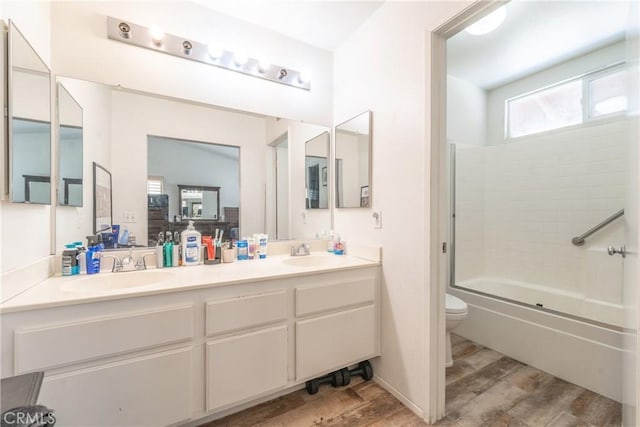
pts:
pixel 123 239
pixel 331 242
pixel 262 245
pixel 243 250
pixel 160 251
pixel 94 253
pixel 168 250
pixel 191 241
pixel 177 261
pixel 69 260
pixel 82 257
pixel 251 246
pixel 339 247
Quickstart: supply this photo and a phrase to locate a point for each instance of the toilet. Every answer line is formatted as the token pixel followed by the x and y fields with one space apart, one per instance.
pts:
pixel 456 312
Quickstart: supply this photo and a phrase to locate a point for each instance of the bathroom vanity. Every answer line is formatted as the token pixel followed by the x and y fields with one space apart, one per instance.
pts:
pixel 163 347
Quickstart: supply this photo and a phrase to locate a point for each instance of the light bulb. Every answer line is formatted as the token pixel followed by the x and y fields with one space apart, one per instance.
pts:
pixel 156 35
pixel 304 76
pixel 215 51
pixel 488 23
pixel 240 58
pixel 263 65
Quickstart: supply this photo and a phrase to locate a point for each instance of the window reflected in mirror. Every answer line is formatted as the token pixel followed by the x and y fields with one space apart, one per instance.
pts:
pixel 192 181
pixel 69 149
pixel 353 162
pixel 316 172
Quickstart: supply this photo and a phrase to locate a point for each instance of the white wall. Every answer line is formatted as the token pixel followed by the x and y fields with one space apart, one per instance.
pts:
pixel 466 112
pixel 83 26
pixel 174 119
pixel 26 228
pixel 384 67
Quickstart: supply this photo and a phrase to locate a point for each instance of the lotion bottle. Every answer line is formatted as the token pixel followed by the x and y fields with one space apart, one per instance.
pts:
pixel 191 240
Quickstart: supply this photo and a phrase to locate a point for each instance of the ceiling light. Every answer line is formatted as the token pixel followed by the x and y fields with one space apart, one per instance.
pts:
pixel 215 51
pixel 488 23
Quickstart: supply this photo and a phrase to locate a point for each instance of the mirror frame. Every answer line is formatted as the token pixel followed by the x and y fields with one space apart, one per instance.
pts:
pixel 198 188
pixel 101 173
pixel 370 174
pixel 11 29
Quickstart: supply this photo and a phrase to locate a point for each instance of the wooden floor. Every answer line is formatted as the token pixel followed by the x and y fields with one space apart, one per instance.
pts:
pixel 484 388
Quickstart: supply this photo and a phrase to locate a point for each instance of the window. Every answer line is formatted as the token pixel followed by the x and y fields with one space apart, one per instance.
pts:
pixel 562 105
pixel 155 185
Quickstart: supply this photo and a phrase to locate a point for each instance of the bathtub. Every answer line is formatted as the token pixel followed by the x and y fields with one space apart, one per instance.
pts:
pixel 559 301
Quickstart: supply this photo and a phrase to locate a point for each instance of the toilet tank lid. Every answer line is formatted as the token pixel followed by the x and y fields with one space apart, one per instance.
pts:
pixel 454 304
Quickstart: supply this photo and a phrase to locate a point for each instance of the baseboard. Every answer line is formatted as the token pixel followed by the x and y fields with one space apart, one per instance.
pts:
pixel 401 397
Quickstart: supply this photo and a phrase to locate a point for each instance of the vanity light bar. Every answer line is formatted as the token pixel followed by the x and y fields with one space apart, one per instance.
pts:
pixel 154 39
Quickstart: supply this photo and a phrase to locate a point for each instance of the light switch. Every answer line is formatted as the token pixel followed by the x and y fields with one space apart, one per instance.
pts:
pixel 377 219
pixel 129 216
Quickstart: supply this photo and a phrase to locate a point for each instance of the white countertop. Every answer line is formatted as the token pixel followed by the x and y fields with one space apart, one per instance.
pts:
pixel 55 291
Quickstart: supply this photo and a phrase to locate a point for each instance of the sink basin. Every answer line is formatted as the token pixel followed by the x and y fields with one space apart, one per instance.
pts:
pixel 313 260
pixel 115 281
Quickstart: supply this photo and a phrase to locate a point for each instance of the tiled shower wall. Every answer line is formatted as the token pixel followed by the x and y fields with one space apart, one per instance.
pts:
pixel 518 205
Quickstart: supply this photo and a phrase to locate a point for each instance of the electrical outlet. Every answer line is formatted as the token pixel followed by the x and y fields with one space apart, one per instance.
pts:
pixel 129 216
pixel 377 219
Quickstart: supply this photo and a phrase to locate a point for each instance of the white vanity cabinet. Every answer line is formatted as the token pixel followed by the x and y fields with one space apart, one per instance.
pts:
pixel 337 324
pixel 178 356
pixel 252 361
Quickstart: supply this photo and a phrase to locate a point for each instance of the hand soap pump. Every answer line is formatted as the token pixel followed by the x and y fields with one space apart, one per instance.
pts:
pixel 191 240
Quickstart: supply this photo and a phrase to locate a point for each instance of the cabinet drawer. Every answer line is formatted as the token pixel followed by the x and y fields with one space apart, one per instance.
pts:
pixel 246 366
pixel 319 298
pixel 245 312
pixel 146 391
pixel 48 346
pixel 330 342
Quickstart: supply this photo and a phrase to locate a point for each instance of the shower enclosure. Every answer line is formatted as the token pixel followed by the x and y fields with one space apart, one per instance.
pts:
pixel 539 160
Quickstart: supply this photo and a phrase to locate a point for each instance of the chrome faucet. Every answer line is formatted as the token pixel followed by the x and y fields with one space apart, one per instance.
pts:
pixel 127 263
pixel 301 250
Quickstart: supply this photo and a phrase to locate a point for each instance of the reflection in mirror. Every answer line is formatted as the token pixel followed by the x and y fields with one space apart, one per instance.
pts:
pixel 316 172
pixel 102 200
pixel 30 122
pixel 117 126
pixel 353 162
pixel 207 191
pixel 539 145
pixel 69 149
pixel 280 153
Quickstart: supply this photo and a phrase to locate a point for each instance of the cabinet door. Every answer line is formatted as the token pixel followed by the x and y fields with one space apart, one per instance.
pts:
pixel 245 366
pixel 334 341
pixel 145 391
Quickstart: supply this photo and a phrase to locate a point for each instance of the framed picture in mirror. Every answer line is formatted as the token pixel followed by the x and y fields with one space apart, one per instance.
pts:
pixel 324 176
pixel 102 208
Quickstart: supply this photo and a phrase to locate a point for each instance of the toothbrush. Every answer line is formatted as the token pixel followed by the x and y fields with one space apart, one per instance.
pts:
pixel 220 238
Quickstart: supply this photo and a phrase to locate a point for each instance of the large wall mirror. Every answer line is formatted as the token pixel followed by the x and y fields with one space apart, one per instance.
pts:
pixel 29 122
pixel 69 149
pixel 316 166
pixel 353 162
pixel 153 144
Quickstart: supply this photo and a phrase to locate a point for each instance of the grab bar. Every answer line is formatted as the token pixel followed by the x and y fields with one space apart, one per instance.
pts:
pixel 579 240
